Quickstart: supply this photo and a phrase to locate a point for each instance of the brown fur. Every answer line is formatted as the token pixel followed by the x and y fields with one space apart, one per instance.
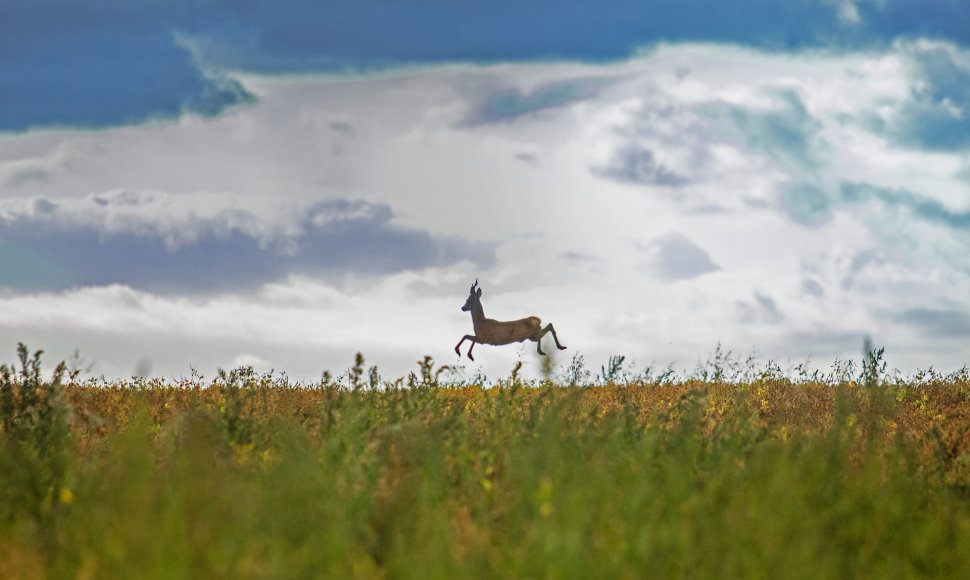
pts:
pixel 495 332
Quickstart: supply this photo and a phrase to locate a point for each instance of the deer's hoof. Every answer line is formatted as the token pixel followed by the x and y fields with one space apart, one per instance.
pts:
pixel 470 357
pixel 562 348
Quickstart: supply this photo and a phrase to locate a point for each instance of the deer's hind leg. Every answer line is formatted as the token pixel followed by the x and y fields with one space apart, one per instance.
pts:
pixel 540 332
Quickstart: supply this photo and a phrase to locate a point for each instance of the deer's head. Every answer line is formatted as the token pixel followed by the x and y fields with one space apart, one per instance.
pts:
pixel 473 297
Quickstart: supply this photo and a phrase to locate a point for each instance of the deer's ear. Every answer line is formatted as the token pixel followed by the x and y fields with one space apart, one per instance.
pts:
pixel 479 292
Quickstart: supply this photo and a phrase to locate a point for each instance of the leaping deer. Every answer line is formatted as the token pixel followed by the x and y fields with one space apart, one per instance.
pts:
pixel 488 331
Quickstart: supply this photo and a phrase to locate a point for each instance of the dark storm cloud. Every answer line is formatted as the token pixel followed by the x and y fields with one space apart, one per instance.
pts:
pixel 105 63
pixel 98 64
pixel 351 32
pixel 45 249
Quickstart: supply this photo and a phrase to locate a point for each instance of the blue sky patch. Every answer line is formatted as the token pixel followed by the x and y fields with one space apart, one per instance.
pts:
pixel 937 114
pixel 105 63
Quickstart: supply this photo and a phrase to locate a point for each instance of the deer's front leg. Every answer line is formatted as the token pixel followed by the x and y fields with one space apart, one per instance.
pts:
pixel 463 339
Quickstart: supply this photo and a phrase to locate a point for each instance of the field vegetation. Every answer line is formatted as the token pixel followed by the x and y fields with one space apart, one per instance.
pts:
pixel 736 469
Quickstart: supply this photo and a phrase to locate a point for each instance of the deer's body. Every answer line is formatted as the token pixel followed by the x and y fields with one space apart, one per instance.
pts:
pixel 489 331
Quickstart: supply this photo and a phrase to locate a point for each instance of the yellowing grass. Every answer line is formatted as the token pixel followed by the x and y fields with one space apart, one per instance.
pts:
pixel 249 476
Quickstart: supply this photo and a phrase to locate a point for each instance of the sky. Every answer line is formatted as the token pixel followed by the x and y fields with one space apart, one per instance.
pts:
pixel 188 186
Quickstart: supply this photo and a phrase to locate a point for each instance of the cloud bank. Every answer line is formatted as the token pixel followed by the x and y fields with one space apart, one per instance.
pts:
pixel 161 243
pixel 105 63
pixel 652 207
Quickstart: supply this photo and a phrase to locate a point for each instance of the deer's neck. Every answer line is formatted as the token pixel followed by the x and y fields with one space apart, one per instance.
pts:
pixel 478 316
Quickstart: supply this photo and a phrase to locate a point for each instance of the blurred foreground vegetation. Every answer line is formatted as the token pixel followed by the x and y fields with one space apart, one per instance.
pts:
pixel 753 475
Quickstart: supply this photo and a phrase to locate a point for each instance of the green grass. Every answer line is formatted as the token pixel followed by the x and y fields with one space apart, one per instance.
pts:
pixel 250 476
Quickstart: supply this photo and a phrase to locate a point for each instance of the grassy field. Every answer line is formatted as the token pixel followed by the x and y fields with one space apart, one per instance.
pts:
pixel 724 474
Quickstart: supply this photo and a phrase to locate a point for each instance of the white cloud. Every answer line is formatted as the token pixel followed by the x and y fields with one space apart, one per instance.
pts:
pixel 577 187
pixel 200 242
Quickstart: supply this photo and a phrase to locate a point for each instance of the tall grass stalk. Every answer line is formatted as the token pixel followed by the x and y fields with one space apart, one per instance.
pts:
pixel 249 476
